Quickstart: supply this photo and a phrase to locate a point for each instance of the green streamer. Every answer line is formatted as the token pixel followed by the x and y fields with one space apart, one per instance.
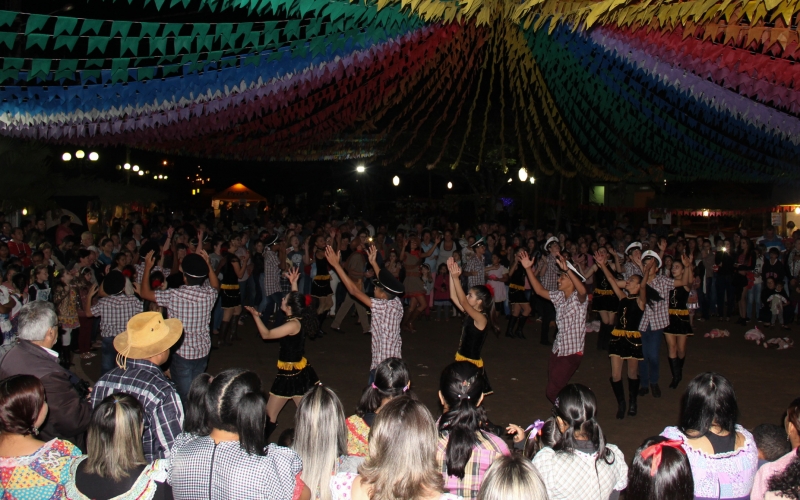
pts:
pixel 129 44
pixel 92 25
pixel 121 27
pixel 65 24
pixel 145 73
pixel 66 69
pixel 35 22
pixel 200 30
pixel 182 43
pixel 8 39
pixel 97 42
pixel 149 29
pixel 171 29
pixel 37 39
pixel 7 17
pixel 40 68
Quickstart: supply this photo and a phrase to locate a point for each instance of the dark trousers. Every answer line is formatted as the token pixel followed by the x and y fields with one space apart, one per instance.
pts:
pixel 108 360
pixel 84 334
pixel 274 303
pixel 651 349
pixel 184 371
pixel 725 295
pixel 559 370
pixel 706 298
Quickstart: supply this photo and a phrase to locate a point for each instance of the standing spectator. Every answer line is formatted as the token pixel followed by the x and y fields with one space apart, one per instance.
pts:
pixel 64 229
pixel 773 267
pixel 29 468
pixel 770 239
pixel 191 304
pixel 355 267
pixel 713 441
pixel 143 347
pixel 723 263
pixel 239 249
pixel 18 248
pixel 33 355
pixel 116 466
pixel 115 309
pixel 474 269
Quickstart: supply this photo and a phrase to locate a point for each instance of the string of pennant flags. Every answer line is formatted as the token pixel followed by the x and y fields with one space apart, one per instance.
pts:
pixel 615 90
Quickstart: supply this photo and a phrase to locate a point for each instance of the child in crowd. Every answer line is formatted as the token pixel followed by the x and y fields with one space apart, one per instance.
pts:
pixel 427 283
pixel 693 302
pixel 776 301
pixel 40 287
pixel 157 282
pixel 772 443
pixel 66 300
pixel 660 470
pixel 441 293
pixel 765 313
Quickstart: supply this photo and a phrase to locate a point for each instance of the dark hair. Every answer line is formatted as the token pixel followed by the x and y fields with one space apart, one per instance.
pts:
pixel 461 386
pixel 787 483
pixel 286 439
pixel 65 218
pixel 576 405
pixel 771 441
pixel 119 257
pixel 487 302
pixel 21 400
pixel 391 380
pixel 709 399
pixel 309 322
pixel 673 479
pixel 148 246
pixel 235 403
pixel 547 438
pixel 195 421
pixel 83 253
pixel 20 280
pixel 156 275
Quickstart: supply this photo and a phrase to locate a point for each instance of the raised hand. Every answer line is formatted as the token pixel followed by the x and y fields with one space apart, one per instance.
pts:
pixel 600 259
pixel 293 275
pixel 438 238
pixel 333 257
pixel 686 260
pixel 525 260
pixel 562 262
pixel 372 254
pixel 93 290
pixel 149 259
pixel 252 310
pixel 455 269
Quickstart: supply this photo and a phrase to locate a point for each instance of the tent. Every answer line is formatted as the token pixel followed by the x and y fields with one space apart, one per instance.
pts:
pixel 238 193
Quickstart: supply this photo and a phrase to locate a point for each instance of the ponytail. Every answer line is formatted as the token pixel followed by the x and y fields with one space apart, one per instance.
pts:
pixel 251 419
pixel 486 296
pixel 304 307
pixel 196 419
pixel 462 388
pixel 392 379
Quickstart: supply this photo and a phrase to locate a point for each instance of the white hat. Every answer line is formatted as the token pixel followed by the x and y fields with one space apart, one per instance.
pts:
pixel 633 246
pixel 549 242
pixel 651 254
pixel 579 275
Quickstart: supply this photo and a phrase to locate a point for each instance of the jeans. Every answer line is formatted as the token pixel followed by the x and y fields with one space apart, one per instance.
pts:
pixel 753 302
pixel 725 295
pixel 246 291
pixel 273 303
pixel 651 349
pixel 184 372
pixel 216 314
pixel 108 359
pixel 304 284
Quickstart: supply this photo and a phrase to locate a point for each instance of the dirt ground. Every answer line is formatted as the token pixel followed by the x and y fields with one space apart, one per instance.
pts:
pixel 764 379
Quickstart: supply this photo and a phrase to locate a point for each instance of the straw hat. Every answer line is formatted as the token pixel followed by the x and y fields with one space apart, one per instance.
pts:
pixel 148 334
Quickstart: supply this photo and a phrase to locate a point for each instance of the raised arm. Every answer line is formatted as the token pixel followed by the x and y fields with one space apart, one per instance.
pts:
pixel 455 283
pixel 333 259
pixel 145 291
pixel 372 256
pixel 527 263
pixel 293 275
pixel 286 329
pixel 688 275
pixel 87 306
pixel 432 248
pixel 461 302
pixel 576 282
pixel 212 277
pixel 649 269
pixel 600 261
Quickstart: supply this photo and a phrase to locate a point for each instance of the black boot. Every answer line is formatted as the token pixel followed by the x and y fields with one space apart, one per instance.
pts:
pixel 234 327
pixel 604 336
pixel 619 393
pixel 676 377
pixel 680 370
pixel 521 326
pixel 656 390
pixel 644 390
pixel 269 429
pixel 633 389
pixel 223 330
pixel 512 322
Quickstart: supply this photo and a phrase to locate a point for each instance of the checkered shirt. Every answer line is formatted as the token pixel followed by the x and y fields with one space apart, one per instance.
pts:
pixel 115 311
pixel 201 469
pixel 657 315
pixel 163 411
pixel 272 272
pixel 140 271
pixel 579 476
pixel 571 323
pixel 631 269
pixel 549 279
pixel 385 327
pixel 475 265
pixel 192 305
pixel 487 449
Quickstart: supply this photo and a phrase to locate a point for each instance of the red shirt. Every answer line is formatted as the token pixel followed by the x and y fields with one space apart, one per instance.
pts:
pixel 21 250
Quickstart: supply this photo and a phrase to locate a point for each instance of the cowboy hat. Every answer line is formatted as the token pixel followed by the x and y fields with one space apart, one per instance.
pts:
pixel 147 334
pixel 389 283
pixel 271 240
pixel 649 254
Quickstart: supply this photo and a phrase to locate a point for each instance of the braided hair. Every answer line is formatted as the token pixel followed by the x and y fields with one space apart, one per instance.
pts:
pixel 461 387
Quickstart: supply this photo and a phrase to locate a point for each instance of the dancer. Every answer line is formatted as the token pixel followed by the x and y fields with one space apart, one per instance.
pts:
pixel 477 306
pixel 570 305
pixel 321 285
pixel 295 375
pixel 386 308
pixel 626 340
pixel 231 270
pixel 520 305
pixel 633 251
pixel 604 301
pixel 411 256
pixel 679 327
pixel 548 274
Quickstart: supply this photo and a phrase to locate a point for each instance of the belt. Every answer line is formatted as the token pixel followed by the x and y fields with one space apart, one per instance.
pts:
pixel 292 365
pixel 322 277
pixel 515 287
pixel 229 287
pixel 626 333
pixel 598 291
pixel 679 312
pixel 476 362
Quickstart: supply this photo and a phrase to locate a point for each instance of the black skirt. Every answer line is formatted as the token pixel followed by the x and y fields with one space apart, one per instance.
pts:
pixel 321 288
pixel 230 298
pixel 679 325
pixel 517 297
pixel 605 303
pixel 294 383
pixel 625 347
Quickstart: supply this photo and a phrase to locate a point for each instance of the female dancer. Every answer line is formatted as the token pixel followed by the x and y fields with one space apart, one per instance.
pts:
pixel 321 285
pixel 295 375
pixel 604 301
pixel 516 297
pixel 232 270
pixel 411 256
pixel 477 306
pixel 679 327
pixel 626 339
pixel 392 265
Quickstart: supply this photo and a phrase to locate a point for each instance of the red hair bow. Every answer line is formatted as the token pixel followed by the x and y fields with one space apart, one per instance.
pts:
pixel 156 284
pixel 491 289
pixel 308 300
pixel 654 450
pixel 127 273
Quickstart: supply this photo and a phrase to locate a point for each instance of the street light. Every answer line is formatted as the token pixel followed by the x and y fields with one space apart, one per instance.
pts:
pixel 24 212
pixel 141 172
pixel 532 180
pixel 127 166
pixel 136 168
pixel 93 156
pixel 66 157
pixel 361 169
pixel 523 174
pixel 79 154
pixel 449 185
pixel 396 180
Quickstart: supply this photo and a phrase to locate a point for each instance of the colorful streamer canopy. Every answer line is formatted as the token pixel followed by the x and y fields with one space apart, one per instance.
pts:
pixel 644 90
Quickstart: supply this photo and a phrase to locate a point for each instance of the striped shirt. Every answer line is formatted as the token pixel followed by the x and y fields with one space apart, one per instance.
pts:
pixel 550 277
pixel 192 305
pixel 571 322
pixel 475 265
pixel 272 272
pixel 385 327
pixel 656 316
pixel 487 449
pixel 115 311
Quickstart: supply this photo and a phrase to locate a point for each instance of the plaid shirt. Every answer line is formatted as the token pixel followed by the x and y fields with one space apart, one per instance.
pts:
pixel 549 279
pixel 163 412
pixel 385 327
pixel 115 311
pixel 272 272
pixel 487 449
pixel 657 316
pixel 571 323
pixel 630 269
pixel 580 475
pixel 140 271
pixel 192 305
pixel 475 265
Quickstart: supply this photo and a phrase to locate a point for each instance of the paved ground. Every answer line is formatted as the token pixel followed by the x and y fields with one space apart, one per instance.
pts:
pixel 765 380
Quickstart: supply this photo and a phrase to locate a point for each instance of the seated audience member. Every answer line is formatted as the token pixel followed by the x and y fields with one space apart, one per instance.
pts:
pixel 713 441
pixel 29 468
pixel 581 465
pixel 465 450
pixel 320 439
pixel 660 471
pixel 391 380
pixel 115 467
pixel 761 484
pixel 143 347
pixel 787 483
pixel 510 478
pixel 402 458
pixel 33 355
pixel 772 443
pixel 229 459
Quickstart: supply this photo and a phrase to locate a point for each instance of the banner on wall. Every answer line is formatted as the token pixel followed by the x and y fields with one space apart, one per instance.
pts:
pixel 659 216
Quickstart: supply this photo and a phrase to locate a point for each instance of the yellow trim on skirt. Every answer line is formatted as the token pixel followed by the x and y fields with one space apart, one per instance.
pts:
pixel 476 362
pixel 679 312
pixel 229 287
pixel 322 277
pixel 598 291
pixel 516 287
pixel 288 365
pixel 626 333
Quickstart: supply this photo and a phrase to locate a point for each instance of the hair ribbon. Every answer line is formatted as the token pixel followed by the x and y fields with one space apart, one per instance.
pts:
pixel 535 429
pixel 375 386
pixel 308 300
pixel 156 283
pixel 654 451
pixel 491 289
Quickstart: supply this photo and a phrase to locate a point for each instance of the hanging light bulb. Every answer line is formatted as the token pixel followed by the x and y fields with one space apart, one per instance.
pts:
pixel 449 185
pixel 532 179
pixel 141 172
pixel 66 157
pixel 127 166
pixel 510 180
pixel 523 174
pixel 705 213
pixel 93 156
pixel 79 154
pixel 24 212
pixel 136 168
pixel 797 210
pixel 396 180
